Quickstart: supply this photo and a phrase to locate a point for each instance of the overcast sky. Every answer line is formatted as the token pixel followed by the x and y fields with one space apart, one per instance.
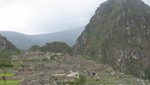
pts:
pixel 46 16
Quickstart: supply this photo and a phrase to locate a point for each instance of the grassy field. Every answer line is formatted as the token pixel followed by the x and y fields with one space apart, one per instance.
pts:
pixel 9 82
pixel 8 74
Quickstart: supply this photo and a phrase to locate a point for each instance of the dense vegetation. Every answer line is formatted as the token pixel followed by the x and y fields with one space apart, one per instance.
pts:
pixel 147 73
pixel 57 47
pixel 79 81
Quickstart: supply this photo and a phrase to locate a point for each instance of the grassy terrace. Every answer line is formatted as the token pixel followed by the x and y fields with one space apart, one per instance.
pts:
pixel 9 82
pixel 8 74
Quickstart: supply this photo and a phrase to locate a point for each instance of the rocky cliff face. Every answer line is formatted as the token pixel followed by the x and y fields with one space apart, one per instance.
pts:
pixel 119 34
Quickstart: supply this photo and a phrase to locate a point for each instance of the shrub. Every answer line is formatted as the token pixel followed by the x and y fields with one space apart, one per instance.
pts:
pixel 147 73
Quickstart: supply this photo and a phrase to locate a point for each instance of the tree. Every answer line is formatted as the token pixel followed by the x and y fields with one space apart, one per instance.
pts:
pixel 147 73
pixel 4 67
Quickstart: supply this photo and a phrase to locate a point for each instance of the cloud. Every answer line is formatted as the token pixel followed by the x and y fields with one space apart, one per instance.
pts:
pixel 64 14
pixel 147 2
pixel 40 16
pixel 45 16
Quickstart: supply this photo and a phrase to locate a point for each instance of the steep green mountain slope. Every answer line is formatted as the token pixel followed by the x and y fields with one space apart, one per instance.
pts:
pixel 5 44
pixel 119 34
pixel 6 48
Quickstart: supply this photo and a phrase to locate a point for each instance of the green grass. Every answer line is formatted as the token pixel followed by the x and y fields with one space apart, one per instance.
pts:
pixel 7 75
pixel 9 82
pixel 109 84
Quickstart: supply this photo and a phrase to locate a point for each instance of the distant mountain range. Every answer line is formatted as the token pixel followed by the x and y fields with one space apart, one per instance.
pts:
pixel 24 42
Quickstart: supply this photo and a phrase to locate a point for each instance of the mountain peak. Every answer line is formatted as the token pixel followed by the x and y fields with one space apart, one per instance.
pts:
pixel 119 34
pixel 125 1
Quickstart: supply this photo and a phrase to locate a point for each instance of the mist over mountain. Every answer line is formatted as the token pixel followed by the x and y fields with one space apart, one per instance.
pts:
pixel 24 42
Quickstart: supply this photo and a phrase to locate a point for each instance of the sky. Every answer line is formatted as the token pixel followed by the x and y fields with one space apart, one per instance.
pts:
pixel 46 16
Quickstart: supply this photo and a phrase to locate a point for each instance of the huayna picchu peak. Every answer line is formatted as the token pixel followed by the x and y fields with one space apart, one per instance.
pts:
pixel 119 34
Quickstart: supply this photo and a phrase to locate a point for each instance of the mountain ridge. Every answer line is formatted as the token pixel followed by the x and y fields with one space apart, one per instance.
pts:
pixel 24 42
